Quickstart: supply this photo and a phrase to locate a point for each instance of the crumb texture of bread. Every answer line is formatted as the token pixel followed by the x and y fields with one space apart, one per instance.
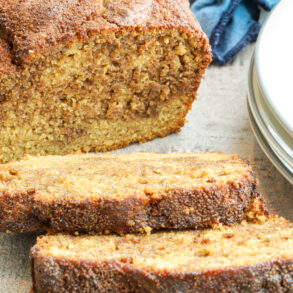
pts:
pixel 126 193
pixel 248 257
pixel 95 75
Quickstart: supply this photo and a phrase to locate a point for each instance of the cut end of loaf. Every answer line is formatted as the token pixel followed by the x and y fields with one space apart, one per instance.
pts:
pixel 103 93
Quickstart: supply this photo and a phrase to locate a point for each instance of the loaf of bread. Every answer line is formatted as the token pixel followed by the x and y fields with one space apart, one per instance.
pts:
pixel 124 193
pixel 248 257
pixel 95 75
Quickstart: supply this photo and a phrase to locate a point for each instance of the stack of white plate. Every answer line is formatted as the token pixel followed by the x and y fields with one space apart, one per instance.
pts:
pixel 270 89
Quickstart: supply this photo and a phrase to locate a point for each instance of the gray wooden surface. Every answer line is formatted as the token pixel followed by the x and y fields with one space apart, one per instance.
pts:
pixel 217 122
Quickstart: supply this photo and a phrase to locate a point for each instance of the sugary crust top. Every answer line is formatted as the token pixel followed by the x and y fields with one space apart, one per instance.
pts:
pixel 28 27
pixel 142 175
pixel 6 65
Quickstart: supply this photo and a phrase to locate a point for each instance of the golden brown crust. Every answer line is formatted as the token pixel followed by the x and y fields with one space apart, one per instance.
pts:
pixel 17 215
pixel 32 27
pixel 33 197
pixel 66 274
pixel 124 193
pixel 212 205
pixel 5 58
pixel 53 272
pixel 52 275
pixel 247 257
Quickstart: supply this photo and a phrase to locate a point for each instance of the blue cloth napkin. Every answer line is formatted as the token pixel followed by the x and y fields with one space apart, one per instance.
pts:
pixel 230 24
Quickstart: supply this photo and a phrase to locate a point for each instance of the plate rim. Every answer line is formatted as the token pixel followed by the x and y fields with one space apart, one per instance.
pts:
pixel 274 145
pixel 276 160
pixel 266 148
pixel 285 125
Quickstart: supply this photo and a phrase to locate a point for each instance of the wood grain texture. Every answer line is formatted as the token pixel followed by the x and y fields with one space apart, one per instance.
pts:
pixel 217 122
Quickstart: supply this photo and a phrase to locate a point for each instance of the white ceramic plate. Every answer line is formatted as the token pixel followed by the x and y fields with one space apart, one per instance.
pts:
pixel 279 139
pixel 279 164
pixel 274 64
pixel 275 149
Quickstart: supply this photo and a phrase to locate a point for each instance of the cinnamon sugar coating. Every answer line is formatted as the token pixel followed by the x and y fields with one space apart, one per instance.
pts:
pixel 248 257
pixel 125 193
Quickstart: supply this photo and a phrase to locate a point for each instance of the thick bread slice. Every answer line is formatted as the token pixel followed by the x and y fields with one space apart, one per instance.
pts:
pixel 124 193
pixel 248 257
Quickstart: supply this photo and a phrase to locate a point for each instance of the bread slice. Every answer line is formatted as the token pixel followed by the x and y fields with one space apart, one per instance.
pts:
pixel 248 257
pixel 124 193
pixel 95 75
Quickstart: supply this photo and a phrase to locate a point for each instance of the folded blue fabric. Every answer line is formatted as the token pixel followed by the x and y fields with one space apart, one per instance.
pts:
pixel 230 24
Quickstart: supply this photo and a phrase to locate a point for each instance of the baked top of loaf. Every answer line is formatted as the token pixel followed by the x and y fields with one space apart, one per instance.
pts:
pixel 32 27
pixel 253 256
pixel 142 175
pixel 125 193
